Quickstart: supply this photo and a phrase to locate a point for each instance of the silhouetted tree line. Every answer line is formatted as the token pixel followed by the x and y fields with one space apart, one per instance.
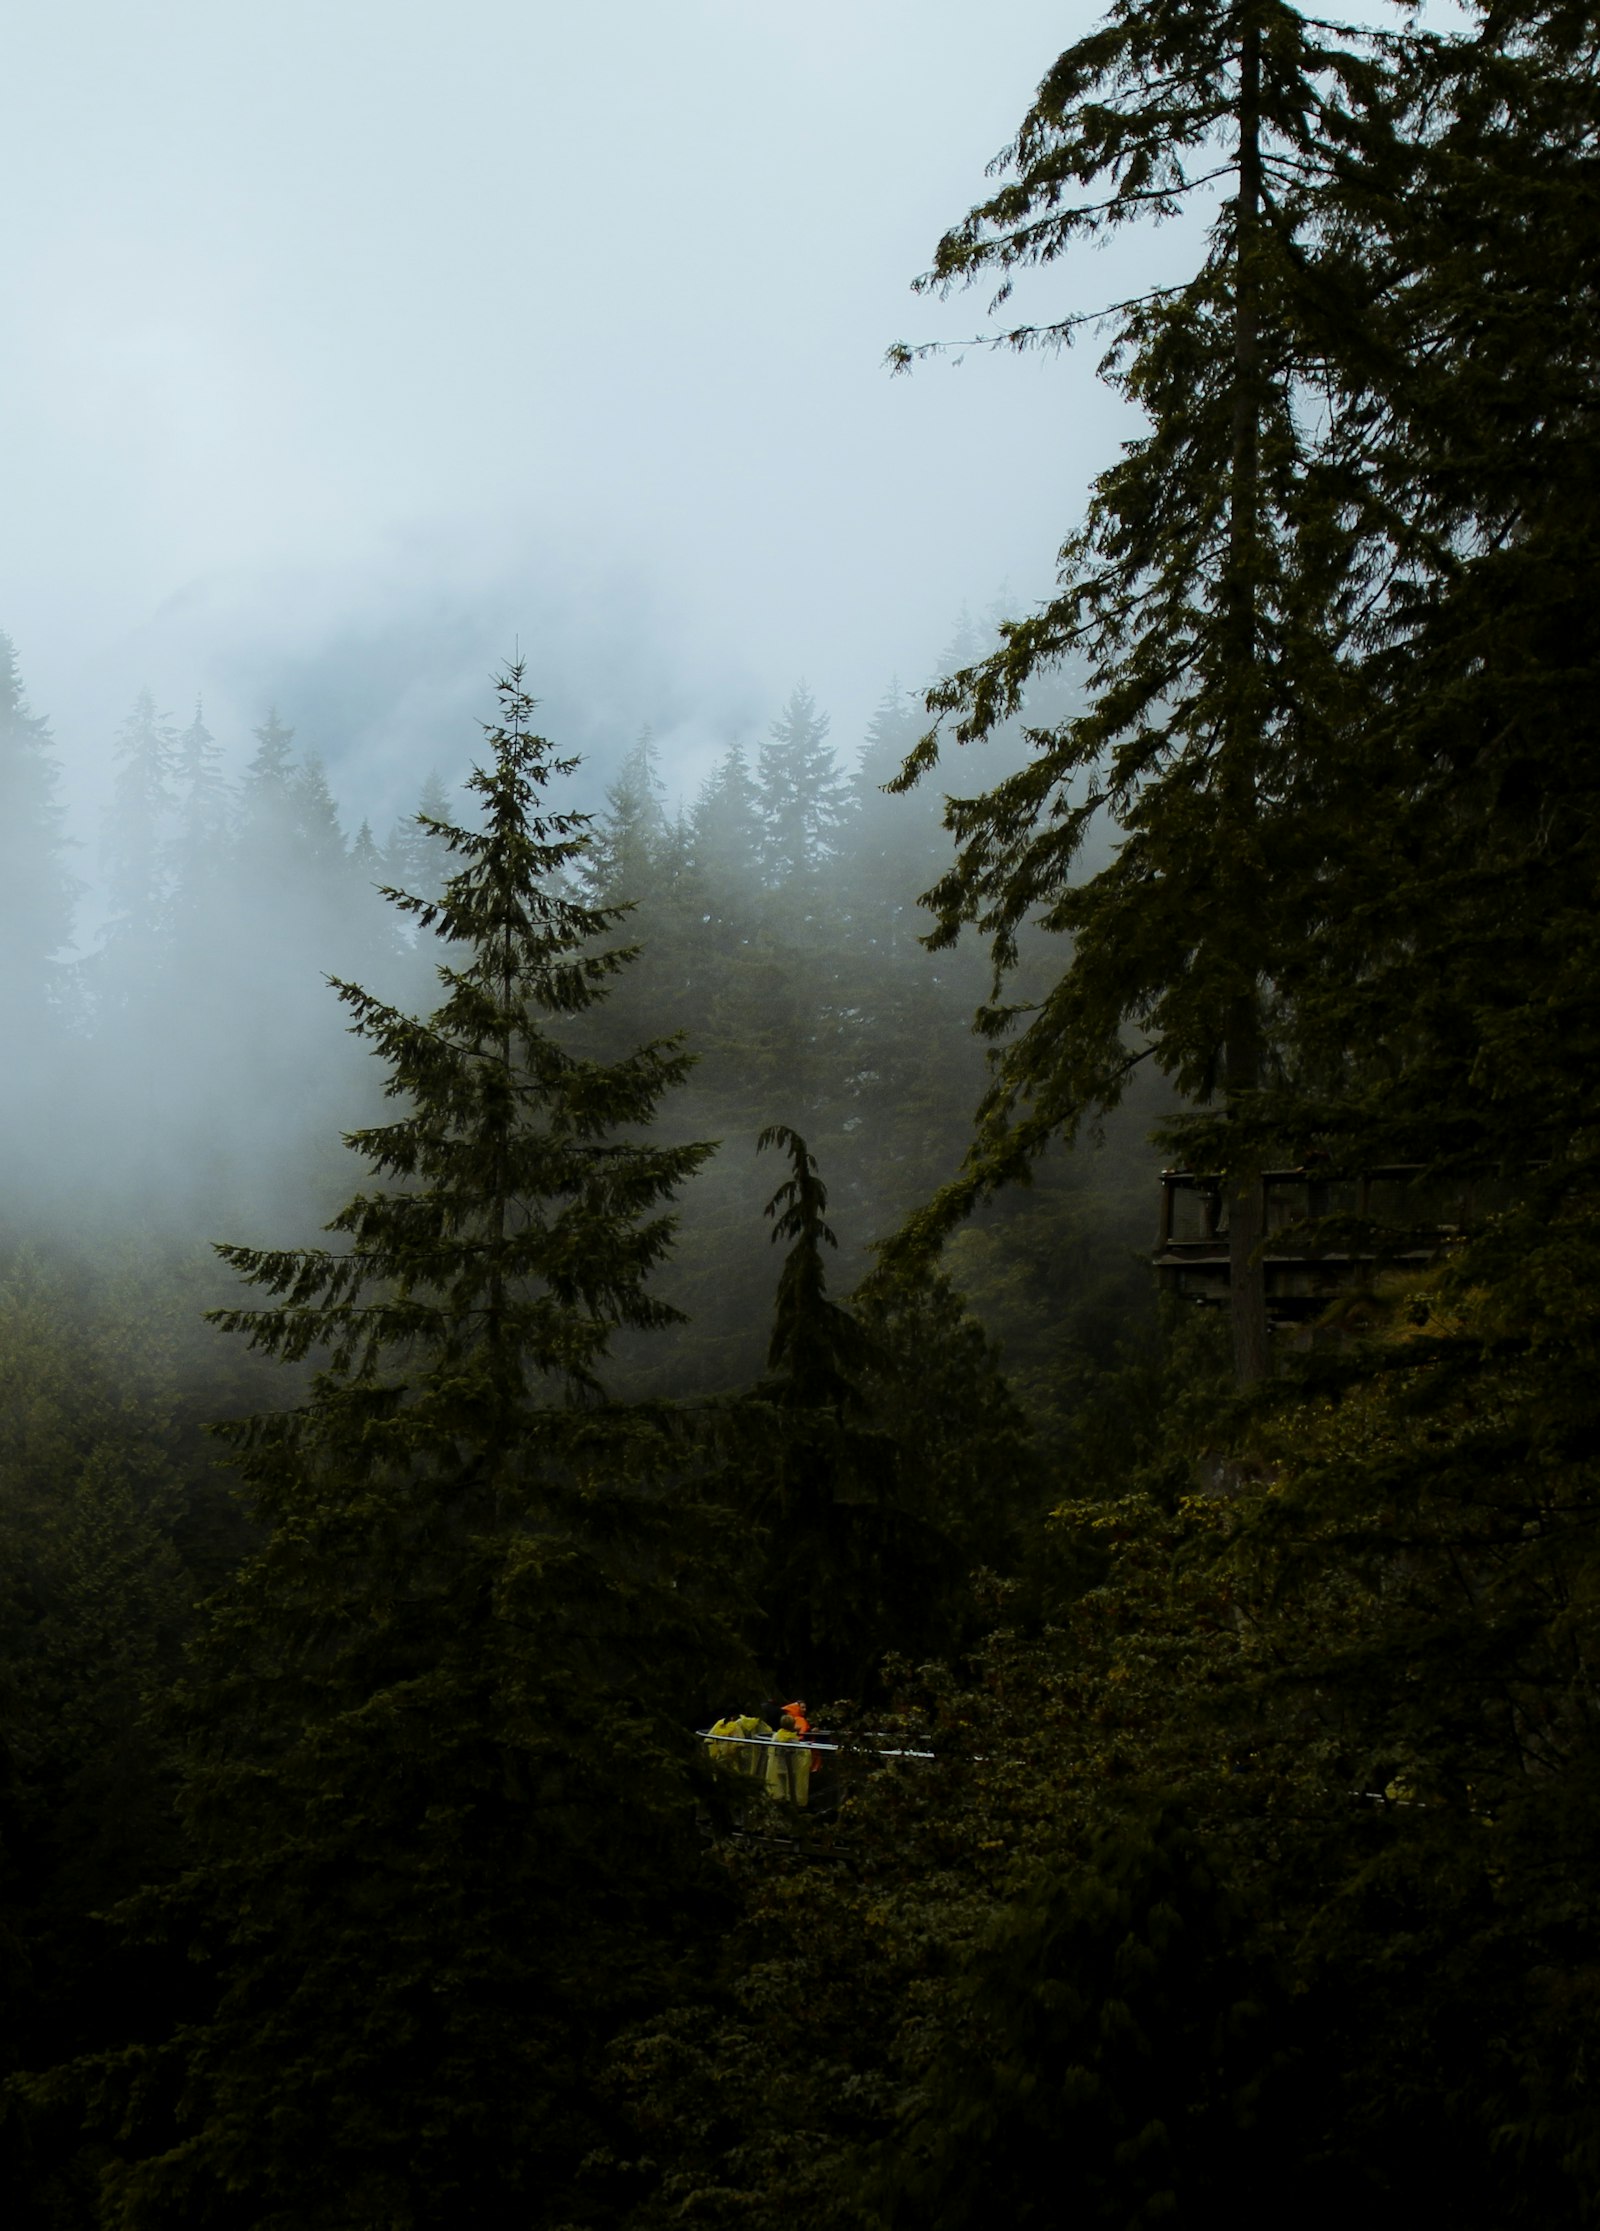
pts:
pixel 1247 1866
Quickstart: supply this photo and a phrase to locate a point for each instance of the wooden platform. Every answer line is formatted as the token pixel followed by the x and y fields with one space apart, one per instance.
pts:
pixel 1394 1218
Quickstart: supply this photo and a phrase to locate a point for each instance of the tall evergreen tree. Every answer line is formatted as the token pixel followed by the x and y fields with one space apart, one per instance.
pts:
pixel 202 805
pixel 138 855
pixel 856 1556
pixel 631 835
pixel 1211 593
pixel 892 852
pixel 321 840
pixel 374 933
pixel 269 778
pixel 801 796
pixel 1478 885
pixel 724 824
pixel 364 852
pixel 415 859
pixel 290 842
pixel 293 911
pixel 443 1837
pixel 37 895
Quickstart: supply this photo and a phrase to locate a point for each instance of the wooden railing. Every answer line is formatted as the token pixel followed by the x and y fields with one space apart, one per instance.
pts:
pixel 1324 1235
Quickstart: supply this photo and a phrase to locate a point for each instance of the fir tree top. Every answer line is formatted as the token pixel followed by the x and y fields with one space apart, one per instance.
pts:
pixel 523 1216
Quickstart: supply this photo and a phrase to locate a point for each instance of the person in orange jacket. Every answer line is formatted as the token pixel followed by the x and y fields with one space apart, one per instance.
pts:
pixel 802 1727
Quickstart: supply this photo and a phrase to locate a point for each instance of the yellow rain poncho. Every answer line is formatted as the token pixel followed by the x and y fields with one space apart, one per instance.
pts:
pixel 740 1753
pixel 788 1768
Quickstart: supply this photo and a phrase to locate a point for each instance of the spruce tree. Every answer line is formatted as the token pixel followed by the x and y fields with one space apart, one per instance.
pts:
pixel 632 864
pixel 1457 946
pixel 856 1557
pixel 801 796
pixel 416 860
pixel 891 852
pixel 441 1826
pixel 321 845
pixel 1210 594
pixel 269 779
pixel 725 825
pixel 631 835
pixel 37 895
pixel 137 936
pixel 199 845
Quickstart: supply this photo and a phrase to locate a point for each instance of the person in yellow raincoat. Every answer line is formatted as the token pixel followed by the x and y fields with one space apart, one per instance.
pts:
pixel 732 1743
pixel 789 1764
pixel 802 1727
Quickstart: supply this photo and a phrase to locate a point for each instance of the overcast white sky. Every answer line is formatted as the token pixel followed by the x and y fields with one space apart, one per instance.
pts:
pixel 344 342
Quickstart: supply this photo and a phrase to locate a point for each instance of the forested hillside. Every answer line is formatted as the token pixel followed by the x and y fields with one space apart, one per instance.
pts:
pixel 481 1304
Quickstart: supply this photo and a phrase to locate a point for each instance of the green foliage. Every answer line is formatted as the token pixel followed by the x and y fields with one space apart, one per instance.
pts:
pixel 855 1555
pixel 1253 1870
pixel 799 795
pixel 436 1780
pixel 1109 2051
pixel 1210 595
pixel 1415 1035
pixel 1422 1567
pixel 631 837
pixel 111 1524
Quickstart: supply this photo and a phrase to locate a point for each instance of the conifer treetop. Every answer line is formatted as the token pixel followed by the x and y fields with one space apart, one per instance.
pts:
pixel 1213 597
pixel 523 1215
pixel 815 1343
pixel 37 895
pixel 1135 120
pixel 801 795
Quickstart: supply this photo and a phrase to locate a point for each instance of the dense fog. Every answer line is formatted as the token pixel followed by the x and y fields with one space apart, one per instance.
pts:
pixel 189 1074
pixel 355 352
pixel 358 359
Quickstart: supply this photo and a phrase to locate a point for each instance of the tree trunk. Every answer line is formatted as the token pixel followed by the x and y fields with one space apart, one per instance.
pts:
pixel 1247 1300
pixel 1247 1285
pixel 1247 1217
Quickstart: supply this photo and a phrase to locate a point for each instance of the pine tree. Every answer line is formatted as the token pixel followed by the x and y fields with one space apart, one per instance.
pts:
pixel 373 932
pixel 416 860
pixel 746 1013
pixel 1477 887
pixel 321 844
pixel 1210 594
pixel 269 778
pixel 364 852
pixel 101 1495
pixel 199 845
pixel 630 837
pixel 437 1787
pixel 37 895
pixel 894 848
pixel 137 855
pixel 800 793
pixel 292 911
pixel 725 825
pixel 266 866
pixel 856 1555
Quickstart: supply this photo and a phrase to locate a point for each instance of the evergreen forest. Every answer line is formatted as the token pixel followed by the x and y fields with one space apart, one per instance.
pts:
pixel 485 1303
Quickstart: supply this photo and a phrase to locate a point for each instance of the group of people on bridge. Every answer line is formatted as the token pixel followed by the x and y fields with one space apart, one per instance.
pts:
pixel 773 1746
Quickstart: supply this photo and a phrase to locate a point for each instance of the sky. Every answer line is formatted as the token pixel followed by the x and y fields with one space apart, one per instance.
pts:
pixel 349 347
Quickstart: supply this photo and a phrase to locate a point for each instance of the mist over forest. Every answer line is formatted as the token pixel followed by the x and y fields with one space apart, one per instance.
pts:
pixel 797 1382
pixel 774 905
